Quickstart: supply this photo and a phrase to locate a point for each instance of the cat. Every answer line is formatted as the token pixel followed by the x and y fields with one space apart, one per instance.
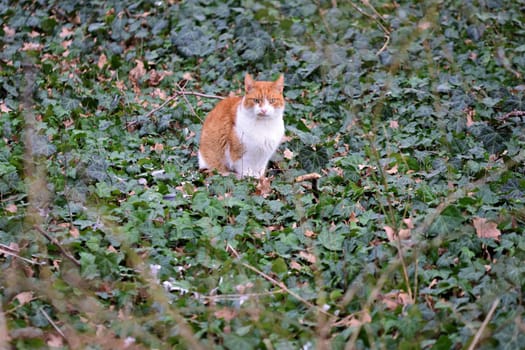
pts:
pixel 241 133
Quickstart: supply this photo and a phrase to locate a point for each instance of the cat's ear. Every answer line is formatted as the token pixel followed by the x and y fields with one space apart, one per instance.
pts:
pixel 248 82
pixel 279 84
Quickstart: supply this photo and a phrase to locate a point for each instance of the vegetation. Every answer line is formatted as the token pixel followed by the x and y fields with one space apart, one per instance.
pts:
pixel 393 215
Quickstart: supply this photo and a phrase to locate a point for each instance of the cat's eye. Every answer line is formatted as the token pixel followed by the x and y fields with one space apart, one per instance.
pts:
pixel 271 100
pixel 256 100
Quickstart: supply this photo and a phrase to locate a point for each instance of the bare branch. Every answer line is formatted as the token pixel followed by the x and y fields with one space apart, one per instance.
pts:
pixel 55 242
pixel 59 331
pixel 484 324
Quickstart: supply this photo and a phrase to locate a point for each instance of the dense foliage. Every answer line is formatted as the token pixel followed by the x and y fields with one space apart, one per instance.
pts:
pixel 411 237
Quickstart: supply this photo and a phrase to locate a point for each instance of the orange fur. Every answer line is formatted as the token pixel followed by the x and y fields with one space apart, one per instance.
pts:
pixel 241 133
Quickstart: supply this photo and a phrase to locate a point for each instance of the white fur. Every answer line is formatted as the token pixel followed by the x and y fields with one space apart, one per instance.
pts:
pixel 260 130
pixel 202 162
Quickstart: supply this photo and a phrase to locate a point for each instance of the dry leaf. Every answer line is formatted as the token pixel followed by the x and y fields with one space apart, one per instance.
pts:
pixel 66 32
pixel 155 77
pixel 102 60
pixel 69 122
pixel 308 257
pixel 24 297
pixel 470 116
pixel 295 265
pixel 486 229
pixel 404 233
pixel 390 233
pixel 226 314
pixel 392 170
pixel 66 43
pixel 288 154
pixel 8 32
pixel 394 124
pixel 264 187
pixel 309 233
pixel 137 73
pixel 4 108
pixel 55 341
pixel 11 208
pixel 396 298
pixel 354 321
pixel 424 25
pixel 159 147
pixel 31 47
pixel 409 223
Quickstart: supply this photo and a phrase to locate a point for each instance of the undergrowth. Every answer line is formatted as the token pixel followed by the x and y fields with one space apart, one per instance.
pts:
pixel 392 216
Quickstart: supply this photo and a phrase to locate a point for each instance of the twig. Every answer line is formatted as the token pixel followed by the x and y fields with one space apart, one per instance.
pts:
pixel 171 98
pixel 55 242
pixel 4 335
pixel 193 93
pixel 9 252
pixel 376 16
pixel 512 114
pixel 59 331
pixel 192 110
pixel 292 293
pixel 484 324
pixel 240 296
pixel 182 92
pixel 307 177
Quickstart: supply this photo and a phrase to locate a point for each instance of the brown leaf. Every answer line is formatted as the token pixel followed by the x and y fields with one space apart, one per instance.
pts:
pixel 392 170
pixel 396 298
pixel 155 77
pixel 137 73
pixel 308 257
pixel 102 60
pixel 8 32
pixel 404 233
pixel 159 147
pixel 24 297
pixel 68 122
pixel 295 265
pixel 66 32
pixel 409 223
pixel 74 232
pixel 309 233
pixel 226 314
pixel 394 124
pixel 470 116
pixel 55 341
pixel 287 154
pixel 264 187
pixel 4 108
pixel 486 229
pixel 353 320
pixel 66 43
pixel 11 208
pixel 390 233
pixel 31 47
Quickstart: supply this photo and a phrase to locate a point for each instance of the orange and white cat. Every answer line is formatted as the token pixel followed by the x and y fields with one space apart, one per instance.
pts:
pixel 242 133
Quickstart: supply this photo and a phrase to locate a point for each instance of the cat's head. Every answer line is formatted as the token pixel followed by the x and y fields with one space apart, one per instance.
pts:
pixel 264 98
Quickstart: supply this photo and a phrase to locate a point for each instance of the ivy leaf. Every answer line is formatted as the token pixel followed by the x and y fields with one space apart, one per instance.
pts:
pixel 331 239
pixel 492 140
pixel 193 42
pixel 446 223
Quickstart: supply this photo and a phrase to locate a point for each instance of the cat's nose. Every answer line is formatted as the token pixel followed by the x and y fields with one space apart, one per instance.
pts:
pixel 263 111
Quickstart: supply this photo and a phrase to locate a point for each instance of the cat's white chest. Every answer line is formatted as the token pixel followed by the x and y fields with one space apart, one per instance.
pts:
pixel 260 138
